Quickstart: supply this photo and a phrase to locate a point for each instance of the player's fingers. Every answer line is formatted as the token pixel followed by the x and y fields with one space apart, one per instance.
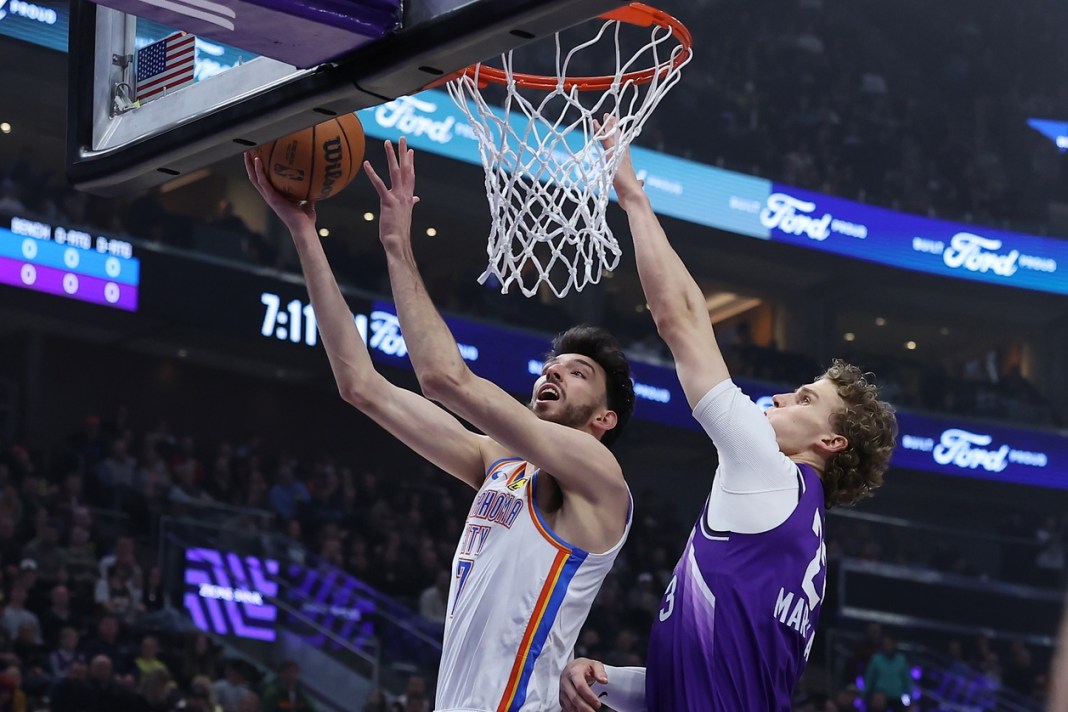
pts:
pixel 571 698
pixel 391 159
pixel 586 695
pixel 372 176
pixel 598 672
pixel 258 176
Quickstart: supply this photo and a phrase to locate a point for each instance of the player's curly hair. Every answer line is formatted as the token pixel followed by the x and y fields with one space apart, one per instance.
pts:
pixel 601 346
pixel 870 427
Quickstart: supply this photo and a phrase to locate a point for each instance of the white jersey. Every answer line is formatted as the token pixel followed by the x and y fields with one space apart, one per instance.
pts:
pixel 518 598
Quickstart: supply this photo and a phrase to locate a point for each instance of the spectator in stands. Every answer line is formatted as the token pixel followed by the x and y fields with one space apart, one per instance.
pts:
pixel 72 693
pixel 200 657
pixel 862 652
pixel 434 600
pixel 28 647
pixel 153 597
pixel 45 550
pixel 117 595
pixel 11 506
pixel 158 690
pixel 15 613
pixel 11 680
pixel 10 548
pixel 186 489
pixel 250 703
pixel 376 701
pixel 108 691
pixel 124 554
pixel 115 474
pixel 63 657
pixel 1019 674
pixel 288 494
pixel 153 478
pixel 285 694
pixel 232 688
pixel 201 697
pixel 148 660
pixel 888 673
pixel 107 644
pixel 57 617
pixel 414 697
pixel 81 558
pixel 185 465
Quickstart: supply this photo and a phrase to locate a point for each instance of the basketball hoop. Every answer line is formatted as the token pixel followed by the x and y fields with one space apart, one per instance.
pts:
pixel 547 177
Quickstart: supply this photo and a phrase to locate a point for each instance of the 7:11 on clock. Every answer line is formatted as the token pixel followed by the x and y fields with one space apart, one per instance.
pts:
pixel 295 323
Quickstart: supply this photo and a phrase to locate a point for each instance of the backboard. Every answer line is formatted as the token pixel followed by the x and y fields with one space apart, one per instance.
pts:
pixel 266 68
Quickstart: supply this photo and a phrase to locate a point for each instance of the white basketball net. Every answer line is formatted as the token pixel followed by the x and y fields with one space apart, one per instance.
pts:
pixel 548 178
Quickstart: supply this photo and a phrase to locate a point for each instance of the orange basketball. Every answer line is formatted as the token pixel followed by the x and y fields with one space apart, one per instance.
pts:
pixel 317 162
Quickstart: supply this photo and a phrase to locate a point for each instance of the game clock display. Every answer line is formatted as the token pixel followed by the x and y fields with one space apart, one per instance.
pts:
pixel 294 322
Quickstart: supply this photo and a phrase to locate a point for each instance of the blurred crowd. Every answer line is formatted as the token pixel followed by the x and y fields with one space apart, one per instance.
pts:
pixel 81 628
pixel 908 105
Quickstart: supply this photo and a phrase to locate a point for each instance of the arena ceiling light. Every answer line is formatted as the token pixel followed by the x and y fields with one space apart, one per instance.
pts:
pixel 725 305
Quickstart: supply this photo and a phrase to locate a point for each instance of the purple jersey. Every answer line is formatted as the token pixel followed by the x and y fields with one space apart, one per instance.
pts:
pixel 737 621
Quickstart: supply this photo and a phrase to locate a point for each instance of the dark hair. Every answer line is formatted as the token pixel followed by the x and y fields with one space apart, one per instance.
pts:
pixel 870 427
pixel 598 344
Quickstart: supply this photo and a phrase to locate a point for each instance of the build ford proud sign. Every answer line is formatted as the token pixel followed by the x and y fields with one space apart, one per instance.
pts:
pixel 972 252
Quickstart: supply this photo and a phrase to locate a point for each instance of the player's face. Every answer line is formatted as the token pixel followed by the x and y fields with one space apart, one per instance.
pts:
pixel 802 419
pixel 571 390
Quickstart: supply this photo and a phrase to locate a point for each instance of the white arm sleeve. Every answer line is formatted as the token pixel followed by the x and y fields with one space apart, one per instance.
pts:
pixel 756 485
pixel 625 691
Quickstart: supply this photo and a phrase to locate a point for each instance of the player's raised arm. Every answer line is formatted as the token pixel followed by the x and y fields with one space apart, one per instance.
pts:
pixel 676 302
pixel 418 423
pixel 575 458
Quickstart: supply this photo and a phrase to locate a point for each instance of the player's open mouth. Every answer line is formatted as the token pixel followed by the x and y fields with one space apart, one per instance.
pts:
pixel 549 392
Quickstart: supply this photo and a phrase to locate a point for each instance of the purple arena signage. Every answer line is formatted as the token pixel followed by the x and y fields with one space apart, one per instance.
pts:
pixel 230 594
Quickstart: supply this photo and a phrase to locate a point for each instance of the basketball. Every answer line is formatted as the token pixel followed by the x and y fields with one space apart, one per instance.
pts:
pixel 317 162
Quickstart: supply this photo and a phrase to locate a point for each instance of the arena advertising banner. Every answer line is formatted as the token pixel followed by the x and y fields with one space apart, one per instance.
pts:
pixel 969 449
pixel 842 227
pixel 678 188
pixel 926 443
pixel 233 594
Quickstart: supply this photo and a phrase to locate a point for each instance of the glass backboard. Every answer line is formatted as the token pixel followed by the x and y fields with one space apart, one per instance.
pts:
pixel 263 69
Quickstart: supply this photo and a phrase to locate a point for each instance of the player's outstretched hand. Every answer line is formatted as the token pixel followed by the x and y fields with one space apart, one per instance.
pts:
pixel 398 200
pixel 626 180
pixel 576 695
pixel 296 217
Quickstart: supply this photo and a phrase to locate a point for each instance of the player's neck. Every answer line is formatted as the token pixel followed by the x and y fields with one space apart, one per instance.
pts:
pixel 811 459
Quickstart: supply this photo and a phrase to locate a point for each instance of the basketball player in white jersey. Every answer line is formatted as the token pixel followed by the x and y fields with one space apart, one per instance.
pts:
pixel 552 509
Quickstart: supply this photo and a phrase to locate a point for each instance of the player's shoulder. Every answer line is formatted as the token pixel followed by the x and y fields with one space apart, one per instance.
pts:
pixel 493 453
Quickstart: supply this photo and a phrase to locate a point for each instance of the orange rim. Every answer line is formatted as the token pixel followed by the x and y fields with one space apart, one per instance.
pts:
pixel 636 13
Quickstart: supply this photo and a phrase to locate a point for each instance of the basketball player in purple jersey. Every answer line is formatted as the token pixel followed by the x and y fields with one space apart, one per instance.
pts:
pixel 737 621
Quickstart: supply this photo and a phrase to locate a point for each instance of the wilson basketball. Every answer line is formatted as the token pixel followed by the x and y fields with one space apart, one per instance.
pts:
pixel 317 162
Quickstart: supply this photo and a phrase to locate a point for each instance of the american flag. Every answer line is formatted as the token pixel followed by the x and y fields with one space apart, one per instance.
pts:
pixel 167 64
